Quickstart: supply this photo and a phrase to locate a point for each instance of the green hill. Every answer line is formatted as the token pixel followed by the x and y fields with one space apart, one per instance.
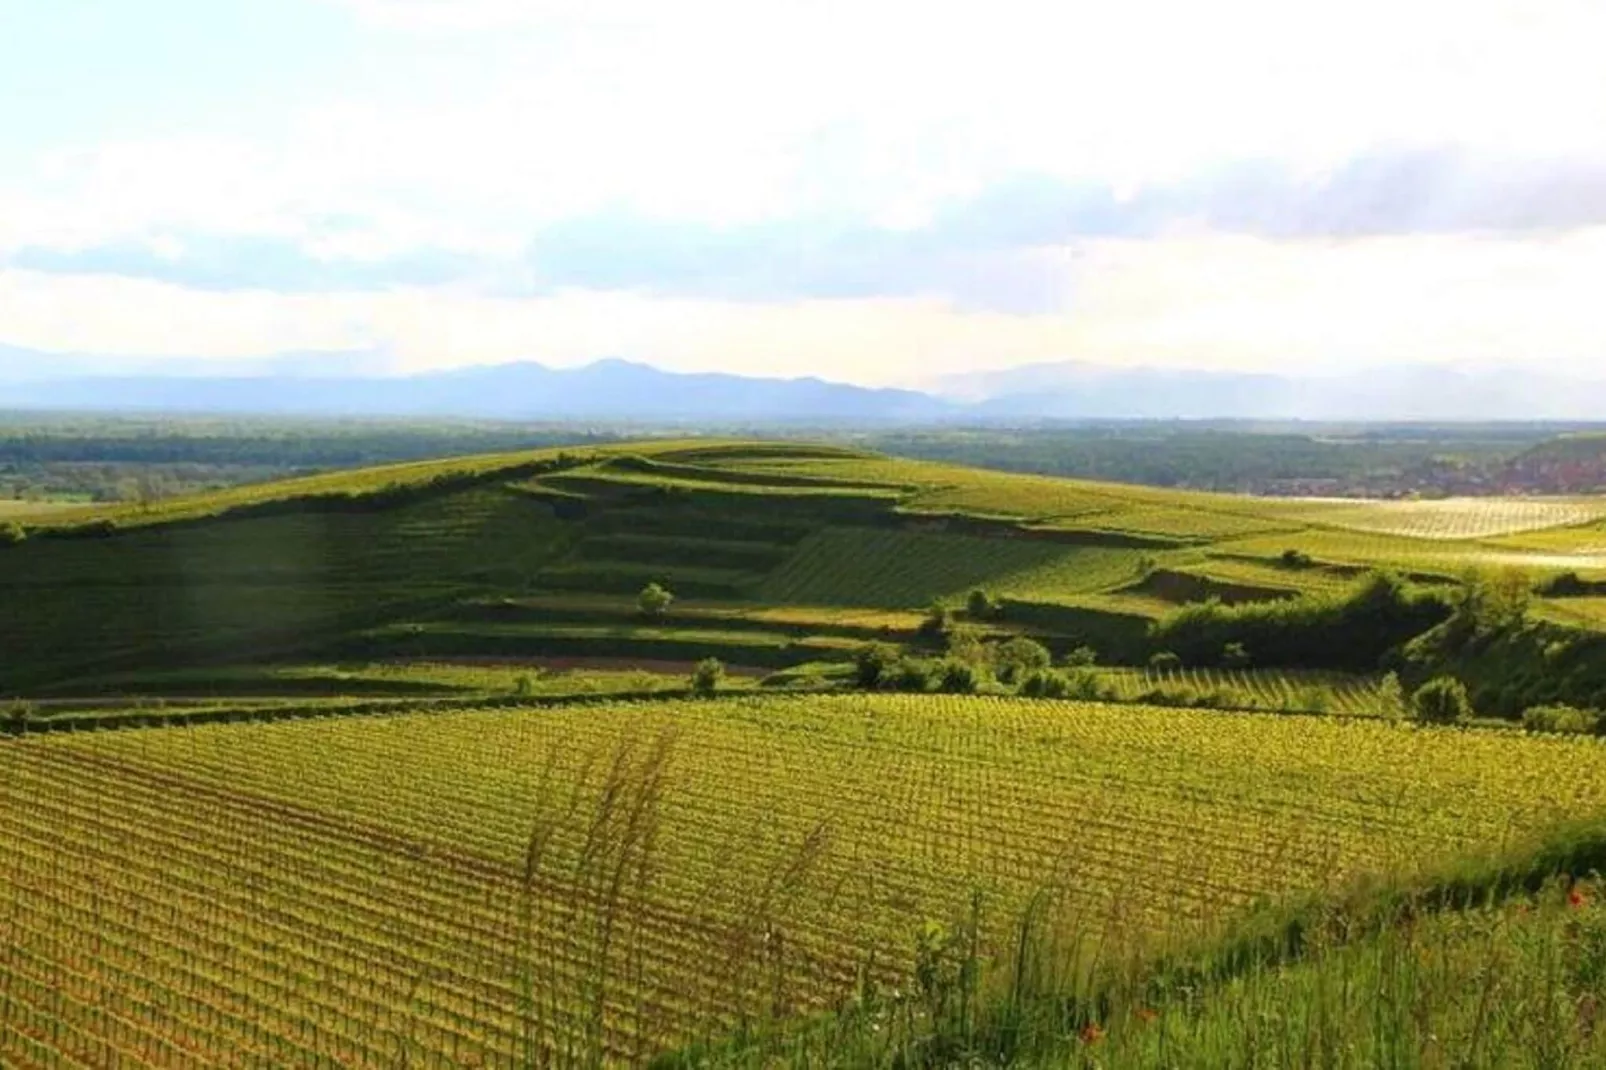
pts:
pixel 380 561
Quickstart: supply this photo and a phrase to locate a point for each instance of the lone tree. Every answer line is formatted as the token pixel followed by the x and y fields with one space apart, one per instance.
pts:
pixel 707 677
pixel 17 716
pixel 654 600
pixel 939 621
pixel 980 605
pixel 1490 602
pixel 1020 657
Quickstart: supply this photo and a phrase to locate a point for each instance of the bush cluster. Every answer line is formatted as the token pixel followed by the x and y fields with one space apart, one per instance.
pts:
pixel 1566 720
pixel 1348 631
pixel 1442 700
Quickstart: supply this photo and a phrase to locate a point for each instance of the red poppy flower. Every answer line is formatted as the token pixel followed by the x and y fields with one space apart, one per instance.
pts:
pixel 1575 898
pixel 1092 1033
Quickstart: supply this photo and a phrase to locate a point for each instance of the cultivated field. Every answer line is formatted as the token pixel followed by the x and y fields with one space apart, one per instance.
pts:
pixel 1455 518
pixel 469 887
pixel 1272 689
pixel 911 568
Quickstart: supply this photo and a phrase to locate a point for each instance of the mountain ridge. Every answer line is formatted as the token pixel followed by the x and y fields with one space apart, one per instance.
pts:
pixel 342 384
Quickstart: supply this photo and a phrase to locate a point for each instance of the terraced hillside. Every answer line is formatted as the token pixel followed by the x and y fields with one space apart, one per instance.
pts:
pixel 382 562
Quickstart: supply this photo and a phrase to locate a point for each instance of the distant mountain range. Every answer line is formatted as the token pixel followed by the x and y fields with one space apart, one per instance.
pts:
pixel 316 384
pixel 604 390
pixel 1075 390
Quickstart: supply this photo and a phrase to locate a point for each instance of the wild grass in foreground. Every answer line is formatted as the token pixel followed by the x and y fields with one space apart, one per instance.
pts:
pixel 1500 963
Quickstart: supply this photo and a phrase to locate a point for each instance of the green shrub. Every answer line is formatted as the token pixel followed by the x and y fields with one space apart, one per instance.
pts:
pixel 1079 683
pixel 1018 657
pixel 1566 585
pixel 1292 558
pixel 1171 695
pixel 980 605
pixel 12 533
pixel 916 674
pixel 1082 657
pixel 654 600
pixel 1044 683
pixel 708 676
pixel 938 623
pixel 874 664
pixel 1562 719
pixel 1085 684
pixel 958 677
pixel 1442 700
pixel 18 714
pixel 965 643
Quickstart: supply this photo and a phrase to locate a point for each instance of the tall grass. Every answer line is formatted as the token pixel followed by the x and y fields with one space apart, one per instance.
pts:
pixel 590 869
pixel 1487 962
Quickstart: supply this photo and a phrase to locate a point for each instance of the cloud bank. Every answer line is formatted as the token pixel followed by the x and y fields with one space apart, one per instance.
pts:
pixel 877 188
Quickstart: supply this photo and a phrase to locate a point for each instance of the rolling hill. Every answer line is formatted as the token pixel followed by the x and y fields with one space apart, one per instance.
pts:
pixel 541 554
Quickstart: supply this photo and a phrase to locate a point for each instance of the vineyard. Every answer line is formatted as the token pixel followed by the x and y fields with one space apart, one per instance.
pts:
pixel 339 565
pixel 1271 689
pixel 1457 518
pixel 475 888
pixel 872 567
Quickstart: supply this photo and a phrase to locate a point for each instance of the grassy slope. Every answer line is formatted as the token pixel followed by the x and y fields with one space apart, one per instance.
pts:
pixel 1493 959
pixel 761 524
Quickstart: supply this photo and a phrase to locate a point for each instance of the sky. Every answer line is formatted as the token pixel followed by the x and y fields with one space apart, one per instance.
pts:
pixel 876 191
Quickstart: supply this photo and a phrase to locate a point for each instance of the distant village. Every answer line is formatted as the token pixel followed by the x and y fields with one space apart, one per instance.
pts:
pixel 1567 465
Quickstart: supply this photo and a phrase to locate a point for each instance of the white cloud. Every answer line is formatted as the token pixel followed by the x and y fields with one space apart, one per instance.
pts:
pixel 504 115
pixel 473 126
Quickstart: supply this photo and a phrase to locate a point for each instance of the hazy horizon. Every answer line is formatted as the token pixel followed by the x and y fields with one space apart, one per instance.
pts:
pixel 879 194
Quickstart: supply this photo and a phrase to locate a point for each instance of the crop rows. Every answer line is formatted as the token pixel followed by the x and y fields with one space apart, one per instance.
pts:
pixel 1181 522
pixel 1267 688
pixel 907 569
pixel 1458 518
pixel 449 885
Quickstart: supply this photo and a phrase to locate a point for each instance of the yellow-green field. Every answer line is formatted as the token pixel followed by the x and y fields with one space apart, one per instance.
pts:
pixel 1453 518
pixel 455 888
pixel 14 509
pixel 1271 689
